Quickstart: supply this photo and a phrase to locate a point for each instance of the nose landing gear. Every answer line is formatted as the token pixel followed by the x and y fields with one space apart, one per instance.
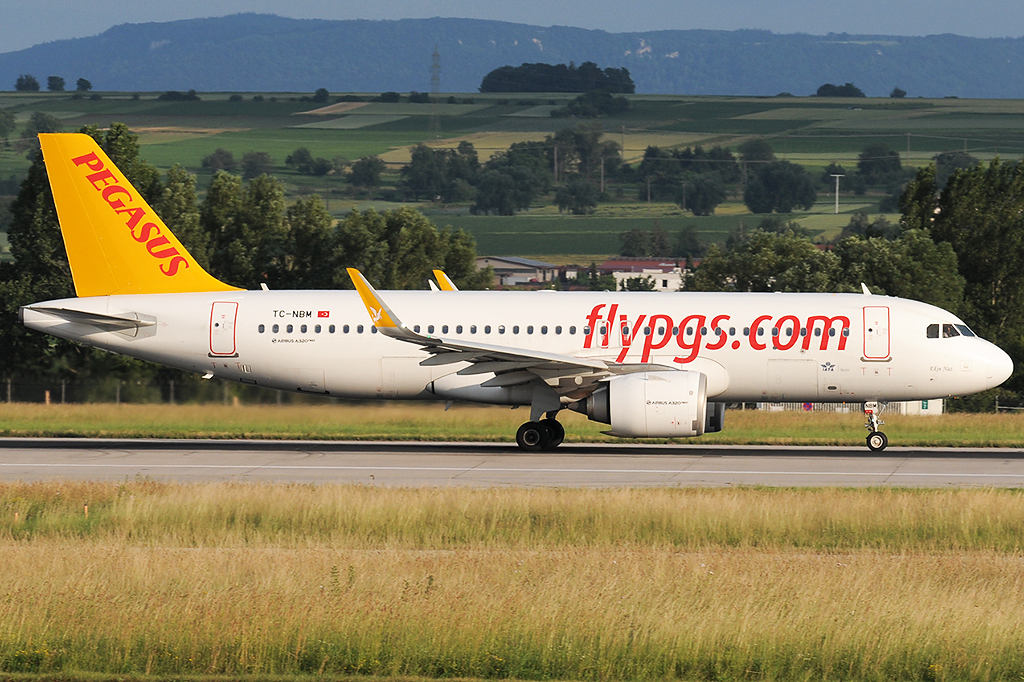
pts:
pixel 876 440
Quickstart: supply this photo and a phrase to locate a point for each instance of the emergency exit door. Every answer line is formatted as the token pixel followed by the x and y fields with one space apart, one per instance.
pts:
pixel 876 332
pixel 222 329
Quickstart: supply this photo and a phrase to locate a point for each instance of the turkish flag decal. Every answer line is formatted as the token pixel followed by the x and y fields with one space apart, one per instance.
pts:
pixel 323 313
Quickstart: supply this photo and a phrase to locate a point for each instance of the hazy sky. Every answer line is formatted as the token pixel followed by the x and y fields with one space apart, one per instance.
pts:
pixel 24 23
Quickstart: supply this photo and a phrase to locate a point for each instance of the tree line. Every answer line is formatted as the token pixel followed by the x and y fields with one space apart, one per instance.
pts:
pixel 242 232
pixel 539 77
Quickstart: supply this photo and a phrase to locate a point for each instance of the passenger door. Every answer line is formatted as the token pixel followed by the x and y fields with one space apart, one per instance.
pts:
pixel 222 329
pixel 876 332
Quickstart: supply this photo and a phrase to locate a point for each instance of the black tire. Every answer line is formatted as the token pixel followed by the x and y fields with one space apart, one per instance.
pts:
pixel 533 436
pixel 557 432
pixel 877 441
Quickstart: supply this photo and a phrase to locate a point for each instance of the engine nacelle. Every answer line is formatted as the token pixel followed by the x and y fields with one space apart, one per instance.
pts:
pixel 670 404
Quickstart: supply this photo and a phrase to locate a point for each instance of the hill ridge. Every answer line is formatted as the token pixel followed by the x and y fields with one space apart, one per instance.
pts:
pixel 265 52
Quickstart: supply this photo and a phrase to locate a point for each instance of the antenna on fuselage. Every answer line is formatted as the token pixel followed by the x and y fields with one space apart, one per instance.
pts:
pixel 864 289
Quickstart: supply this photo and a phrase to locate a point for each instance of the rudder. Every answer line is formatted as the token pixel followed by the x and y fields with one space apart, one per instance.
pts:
pixel 116 243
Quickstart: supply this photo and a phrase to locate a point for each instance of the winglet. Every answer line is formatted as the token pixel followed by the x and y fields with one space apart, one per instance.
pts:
pixel 116 243
pixel 445 281
pixel 381 316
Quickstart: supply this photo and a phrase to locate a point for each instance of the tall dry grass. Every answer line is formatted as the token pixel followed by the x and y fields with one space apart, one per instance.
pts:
pixel 237 579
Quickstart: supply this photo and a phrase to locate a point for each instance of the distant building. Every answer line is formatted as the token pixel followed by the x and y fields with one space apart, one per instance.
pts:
pixel 667 275
pixel 510 271
pixel 915 407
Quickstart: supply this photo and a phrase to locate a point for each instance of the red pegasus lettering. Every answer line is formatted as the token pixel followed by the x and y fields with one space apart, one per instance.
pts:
pixel 91 161
pixel 827 326
pixel 649 342
pixel 693 346
pixel 795 333
pixel 101 179
pixel 592 319
pixel 109 192
pixel 627 339
pixel 135 215
pixel 149 230
pixel 715 329
pixel 756 327
pixel 173 265
pixel 611 323
pixel 154 244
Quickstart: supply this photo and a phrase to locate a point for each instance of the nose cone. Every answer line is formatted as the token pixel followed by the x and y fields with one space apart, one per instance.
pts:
pixel 997 365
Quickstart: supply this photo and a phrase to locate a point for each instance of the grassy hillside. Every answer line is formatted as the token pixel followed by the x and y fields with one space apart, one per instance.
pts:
pixel 807 130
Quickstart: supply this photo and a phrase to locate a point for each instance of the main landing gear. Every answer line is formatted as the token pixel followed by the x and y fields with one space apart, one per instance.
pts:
pixel 545 434
pixel 876 440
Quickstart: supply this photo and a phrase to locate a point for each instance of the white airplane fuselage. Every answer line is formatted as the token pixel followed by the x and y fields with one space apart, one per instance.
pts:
pixel 751 347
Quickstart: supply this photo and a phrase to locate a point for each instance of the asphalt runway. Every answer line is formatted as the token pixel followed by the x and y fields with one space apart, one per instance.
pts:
pixel 495 465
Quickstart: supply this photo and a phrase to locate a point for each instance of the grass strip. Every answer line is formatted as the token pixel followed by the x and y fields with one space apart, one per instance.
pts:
pixel 427 422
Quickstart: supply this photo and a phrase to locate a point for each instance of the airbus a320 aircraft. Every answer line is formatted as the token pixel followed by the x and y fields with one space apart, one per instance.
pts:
pixel 647 364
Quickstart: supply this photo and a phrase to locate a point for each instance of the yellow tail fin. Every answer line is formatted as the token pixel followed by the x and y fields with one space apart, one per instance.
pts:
pixel 116 243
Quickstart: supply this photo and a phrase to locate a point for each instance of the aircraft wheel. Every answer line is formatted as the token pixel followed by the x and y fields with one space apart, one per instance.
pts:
pixel 557 432
pixel 533 436
pixel 877 441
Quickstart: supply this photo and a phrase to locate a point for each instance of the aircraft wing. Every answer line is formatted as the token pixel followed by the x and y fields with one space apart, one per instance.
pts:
pixel 511 366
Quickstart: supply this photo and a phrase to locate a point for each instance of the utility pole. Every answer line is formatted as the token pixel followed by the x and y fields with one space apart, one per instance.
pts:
pixel 837 190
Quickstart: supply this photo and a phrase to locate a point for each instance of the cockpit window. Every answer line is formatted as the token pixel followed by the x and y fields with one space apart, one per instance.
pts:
pixel 949 331
pixel 965 330
pixel 933 331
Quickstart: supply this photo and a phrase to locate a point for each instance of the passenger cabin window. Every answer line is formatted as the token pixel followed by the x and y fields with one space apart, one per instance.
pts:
pixel 331 329
pixel 444 329
pixel 262 328
pixel 515 329
pixel 290 328
pixel 472 329
pixel 501 329
pixel 544 329
pixel 344 328
pixel 458 329
pixel 317 329
pixel 529 329
pixel 303 329
pixel 430 329
pixel 487 329
pixel 359 329
pixel 572 330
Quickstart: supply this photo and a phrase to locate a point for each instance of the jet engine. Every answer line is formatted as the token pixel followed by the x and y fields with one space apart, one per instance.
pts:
pixel 669 404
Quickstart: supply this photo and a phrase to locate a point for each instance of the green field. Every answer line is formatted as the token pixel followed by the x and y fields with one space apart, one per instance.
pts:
pixel 807 130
